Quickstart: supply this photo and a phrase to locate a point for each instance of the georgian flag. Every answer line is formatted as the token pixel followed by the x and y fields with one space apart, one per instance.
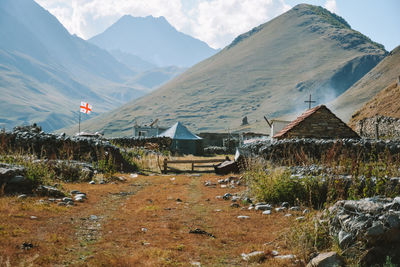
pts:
pixel 86 108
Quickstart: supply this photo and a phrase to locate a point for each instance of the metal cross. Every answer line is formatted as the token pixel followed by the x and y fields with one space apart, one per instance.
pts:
pixel 309 102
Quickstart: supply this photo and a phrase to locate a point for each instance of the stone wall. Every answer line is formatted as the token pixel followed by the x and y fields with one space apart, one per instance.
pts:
pixel 381 126
pixel 299 151
pixel 163 143
pixel 50 146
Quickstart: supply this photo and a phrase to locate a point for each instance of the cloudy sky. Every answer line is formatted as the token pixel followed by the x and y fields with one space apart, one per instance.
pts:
pixel 218 22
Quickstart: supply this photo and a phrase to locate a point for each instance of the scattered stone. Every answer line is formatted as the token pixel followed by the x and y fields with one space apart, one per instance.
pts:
pixel 178 200
pixel 274 253
pixel 62 204
pixel 263 207
pixel 300 219
pixel 243 217
pixel 66 199
pixel 27 246
pixel 144 230
pixel 218 210
pixel 327 259
pixel 235 205
pixel 145 244
pixel 33 217
pixel 218 197
pixel 279 209
pixel 102 182
pixel 201 232
pixel 92 182
pixel 295 208
pixel 224 186
pixel 285 205
pixel 133 175
pixel 235 198
pixel 93 217
pixel 74 192
pixel 255 256
pixel 306 211
pixel 195 263
pixel 285 257
pixel 209 183
pixel 288 215
pixel 23 196
pixel 227 196
pixel 266 212
pixel 81 195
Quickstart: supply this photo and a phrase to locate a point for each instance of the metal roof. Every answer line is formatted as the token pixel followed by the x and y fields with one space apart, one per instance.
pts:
pixel 180 132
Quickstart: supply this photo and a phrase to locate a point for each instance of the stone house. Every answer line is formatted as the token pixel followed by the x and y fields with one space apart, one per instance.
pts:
pixel 318 122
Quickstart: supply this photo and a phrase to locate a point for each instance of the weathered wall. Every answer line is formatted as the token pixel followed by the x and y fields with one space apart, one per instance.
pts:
pixel 385 127
pixel 299 151
pixel 163 143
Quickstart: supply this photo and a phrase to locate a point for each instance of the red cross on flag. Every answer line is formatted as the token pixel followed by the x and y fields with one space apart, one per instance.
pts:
pixel 85 107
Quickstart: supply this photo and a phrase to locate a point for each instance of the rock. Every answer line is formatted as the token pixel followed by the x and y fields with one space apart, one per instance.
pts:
pixel 133 175
pixel 263 207
pixel 285 205
pixel 344 239
pixel 288 215
pixel 375 230
pixel 74 192
pixel 227 196
pixel 266 212
pixel 218 197
pixel 279 209
pixel 300 219
pixel 144 230
pixel 178 200
pixel 327 259
pixel 81 195
pixel 92 182
pixel 235 205
pixel 79 199
pixel 306 211
pixel 195 263
pixel 50 191
pixel 93 217
pixel 243 217
pixel 102 182
pixel 23 196
pixel 393 221
pixel 33 217
pixel 285 257
pixel 235 198
pixel 62 204
pixel 66 199
pixel 255 256
pixel 295 208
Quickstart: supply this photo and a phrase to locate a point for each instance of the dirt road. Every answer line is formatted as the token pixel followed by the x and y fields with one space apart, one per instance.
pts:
pixel 144 221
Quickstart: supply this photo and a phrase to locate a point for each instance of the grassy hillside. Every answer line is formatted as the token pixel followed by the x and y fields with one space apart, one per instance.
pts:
pixel 380 77
pixel 269 70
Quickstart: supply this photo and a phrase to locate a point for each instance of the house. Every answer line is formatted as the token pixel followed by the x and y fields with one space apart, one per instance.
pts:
pixel 277 126
pixel 318 122
pixel 183 141
pixel 145 131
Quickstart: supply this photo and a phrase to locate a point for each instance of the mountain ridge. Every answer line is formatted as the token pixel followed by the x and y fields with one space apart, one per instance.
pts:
pixel 270 72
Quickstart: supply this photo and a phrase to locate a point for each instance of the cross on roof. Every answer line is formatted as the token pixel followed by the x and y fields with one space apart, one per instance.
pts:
pixel 309 101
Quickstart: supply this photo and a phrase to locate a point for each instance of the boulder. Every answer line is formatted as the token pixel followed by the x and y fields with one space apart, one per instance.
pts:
pixel 328 259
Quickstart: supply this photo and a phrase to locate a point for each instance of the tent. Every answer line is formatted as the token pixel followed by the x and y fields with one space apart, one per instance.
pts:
pixel 183 141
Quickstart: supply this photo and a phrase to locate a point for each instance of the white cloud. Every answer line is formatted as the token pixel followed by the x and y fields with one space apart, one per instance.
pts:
pixel 331 6
pixel 216 22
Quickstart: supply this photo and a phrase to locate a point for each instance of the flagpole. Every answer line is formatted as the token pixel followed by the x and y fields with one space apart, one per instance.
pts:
pixel 79 129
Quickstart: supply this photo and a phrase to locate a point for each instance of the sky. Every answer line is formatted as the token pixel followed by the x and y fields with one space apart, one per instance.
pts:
pixel 218 22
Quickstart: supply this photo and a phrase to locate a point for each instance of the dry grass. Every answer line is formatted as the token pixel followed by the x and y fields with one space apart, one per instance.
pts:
pixel 63 235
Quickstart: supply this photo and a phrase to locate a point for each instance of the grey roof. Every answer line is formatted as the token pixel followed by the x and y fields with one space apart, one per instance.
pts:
pixel 180 132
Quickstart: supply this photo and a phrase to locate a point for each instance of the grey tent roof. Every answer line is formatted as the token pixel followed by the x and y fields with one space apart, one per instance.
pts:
pixel 180 132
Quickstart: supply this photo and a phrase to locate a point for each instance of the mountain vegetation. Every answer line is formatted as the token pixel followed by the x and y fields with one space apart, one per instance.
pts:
pixel 270 70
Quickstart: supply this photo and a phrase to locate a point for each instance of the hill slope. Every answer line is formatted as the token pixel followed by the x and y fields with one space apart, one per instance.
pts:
pixel 380 77
pixel 269 70
pixel 154 40
pixel 45 71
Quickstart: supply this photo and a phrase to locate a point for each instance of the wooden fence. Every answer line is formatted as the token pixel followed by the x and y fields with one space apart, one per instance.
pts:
pixel 193 162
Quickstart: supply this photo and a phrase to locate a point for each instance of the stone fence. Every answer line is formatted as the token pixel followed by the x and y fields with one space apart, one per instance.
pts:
pixel 161 143
pixel 50 146
pixel 301 151
pixel 381 127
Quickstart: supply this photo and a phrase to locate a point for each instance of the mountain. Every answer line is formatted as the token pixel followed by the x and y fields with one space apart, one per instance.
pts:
pixel 154 40
pixel 270 70
pixel 379 78
pixel 45 71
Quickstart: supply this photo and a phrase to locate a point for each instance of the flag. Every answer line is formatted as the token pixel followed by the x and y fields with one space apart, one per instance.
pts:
pixel 86 108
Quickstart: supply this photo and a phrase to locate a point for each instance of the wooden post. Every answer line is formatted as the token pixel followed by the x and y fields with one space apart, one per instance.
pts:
pixel 377 128
pixel 165 165
pixel 192 166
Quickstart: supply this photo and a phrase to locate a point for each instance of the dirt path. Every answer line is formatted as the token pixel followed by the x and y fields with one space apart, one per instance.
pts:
pixel 143 222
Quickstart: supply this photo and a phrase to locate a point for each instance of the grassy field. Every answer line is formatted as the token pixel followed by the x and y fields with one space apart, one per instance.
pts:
pixel 69 236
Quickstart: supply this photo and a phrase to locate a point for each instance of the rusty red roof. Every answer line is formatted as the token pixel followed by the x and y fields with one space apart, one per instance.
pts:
pixel 297 121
